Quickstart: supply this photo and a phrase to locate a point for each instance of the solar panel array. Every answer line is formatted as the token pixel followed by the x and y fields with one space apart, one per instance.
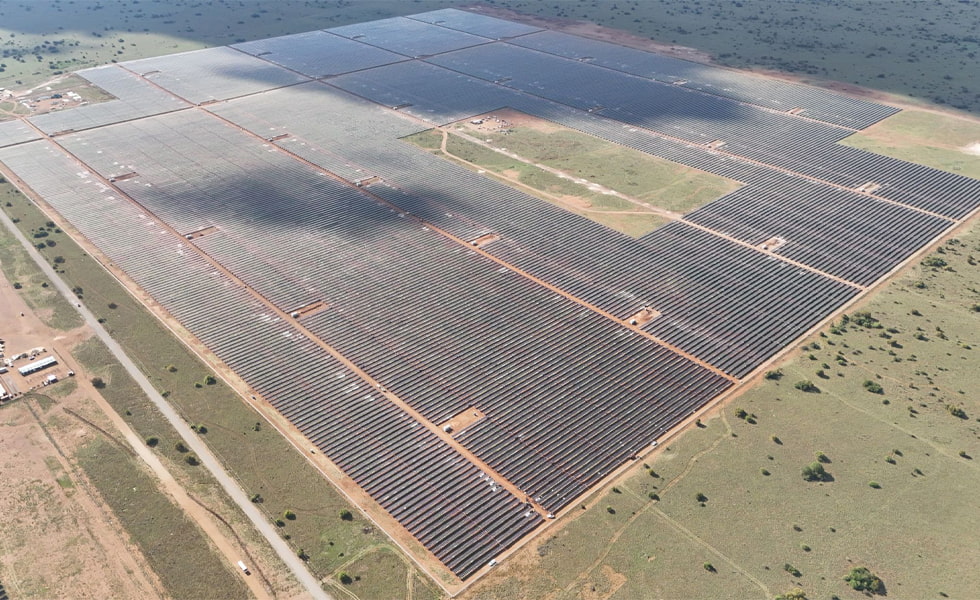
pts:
pixel 301 190
pixel 318 53
pixel 213 74
pixel 135 98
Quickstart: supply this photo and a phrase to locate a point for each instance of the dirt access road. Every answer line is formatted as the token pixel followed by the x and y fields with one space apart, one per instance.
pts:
pixel 228 547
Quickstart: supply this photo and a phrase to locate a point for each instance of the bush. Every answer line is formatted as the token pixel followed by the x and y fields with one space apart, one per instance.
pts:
pixel 774 375
pixel 933 261
pixel 700 497
pixel 210 380
pixel 344 578
pixel 192 460
pixel 280 523
pixel 956 411
pixel 875 485
pixel 289 515
pixel 58 260
pixel 823 458
pixel 863 580
pixel 98 383
pixel 792 570
pixel 815 472
pixel 610 510
pixel 181 447
pixel 873 387
pixel 256 499
pixel 775 439
pixel 794 594
pixel 152 441
pixel 807 386
pixel 303 555
pixel 346 515
pixel 171 369
pixel 710 568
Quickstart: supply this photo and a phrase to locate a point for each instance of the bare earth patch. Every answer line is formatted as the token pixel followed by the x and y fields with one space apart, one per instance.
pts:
pixel 973 149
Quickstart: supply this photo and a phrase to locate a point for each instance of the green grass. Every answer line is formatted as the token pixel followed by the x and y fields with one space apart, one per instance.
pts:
pixel 664 184
pixel 172 544
pixel 19 268
pixel 931 139
pixel 562 192
pixel 384 573
pixel 262 461
pixel 753 524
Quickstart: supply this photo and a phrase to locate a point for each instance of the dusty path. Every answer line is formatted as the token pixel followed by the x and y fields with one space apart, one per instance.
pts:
pixel 193 441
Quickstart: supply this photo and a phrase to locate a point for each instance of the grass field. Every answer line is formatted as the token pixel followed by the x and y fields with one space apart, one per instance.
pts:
pixel 572 170
pixel 262 461
pixel 172 543
pixel 914 530
pixel 927 138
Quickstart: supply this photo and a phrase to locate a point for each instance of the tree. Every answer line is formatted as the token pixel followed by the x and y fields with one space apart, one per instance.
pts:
pixel 346 515
pixel 98 383
pixel 152 441
pixel 344 578
pixel 289 515
pixel 863 580
pixel 701 497
pixel 210 380
pixel 815 472
pixel 794 594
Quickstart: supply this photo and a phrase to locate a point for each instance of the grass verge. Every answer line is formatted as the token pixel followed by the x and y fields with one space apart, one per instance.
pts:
pixel 172 544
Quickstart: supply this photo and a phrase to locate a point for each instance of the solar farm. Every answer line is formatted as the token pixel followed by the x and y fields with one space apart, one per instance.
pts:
pixel 474 358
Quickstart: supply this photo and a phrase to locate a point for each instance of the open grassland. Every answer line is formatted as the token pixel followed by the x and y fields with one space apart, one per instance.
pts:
pixel 639 176
pixel 580 173
pixel 173 545
pixel 902 493
pixel 265 464
pixel 940 141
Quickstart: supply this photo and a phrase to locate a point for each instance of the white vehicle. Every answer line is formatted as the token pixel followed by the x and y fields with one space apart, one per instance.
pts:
pixel 244 568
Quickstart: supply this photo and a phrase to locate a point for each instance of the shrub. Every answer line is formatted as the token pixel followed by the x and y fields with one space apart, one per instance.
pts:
pixel 610 510
pixel 933 261
pixel 700 497
pixel 807 386
pixel 775 439
pixel 346 515
pixel 740 413
pixel 192 460
pixel 863 580
pixel 765 472
pixel 616 490
pixel 289 515
pixel 256 498
pixel 793 594
pixel 180 447
pixel 653 496
pixel 956 411
pixel 775 374
pixel 202 429
pixel 303 555
pixel 805 548
pixel 344 578
pixel 171 369
pixel 152 441
pixel 815 472
pixel 210 380
pixel 710 568
pixel 59 260
pixel 792 570
pixel 280 523
pixel 98 383
pixel 873 387
pixel 875 485
pixel 823 458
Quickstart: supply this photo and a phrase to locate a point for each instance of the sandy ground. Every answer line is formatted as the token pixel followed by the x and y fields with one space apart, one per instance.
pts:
pixel 56 537
pixel 973 149
pixel 36 446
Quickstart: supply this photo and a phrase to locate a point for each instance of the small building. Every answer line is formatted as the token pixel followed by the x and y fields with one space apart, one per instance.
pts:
pixel 3 392
pixel 36 366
